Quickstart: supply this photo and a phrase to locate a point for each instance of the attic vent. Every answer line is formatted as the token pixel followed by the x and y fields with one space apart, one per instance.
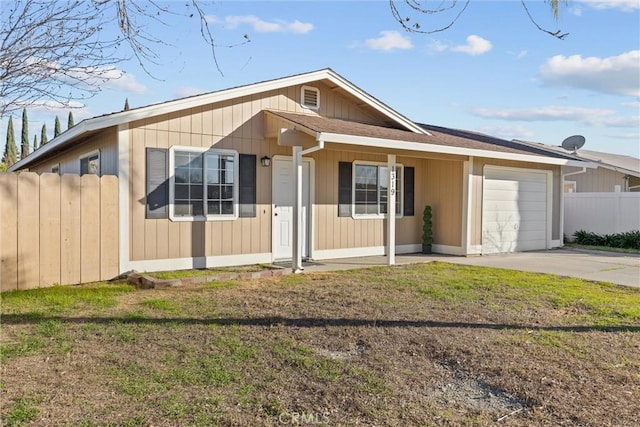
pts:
pixel 310 97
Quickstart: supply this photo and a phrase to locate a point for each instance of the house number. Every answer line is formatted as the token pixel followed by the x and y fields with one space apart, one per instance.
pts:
pixel 392 186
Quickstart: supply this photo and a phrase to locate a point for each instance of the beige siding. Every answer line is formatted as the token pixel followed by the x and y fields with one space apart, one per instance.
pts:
pixel 57 230
pixel 333 232
pixel 105 142
pixel 476 189
pixel 240 126
pixel 444 192
pixel 597 180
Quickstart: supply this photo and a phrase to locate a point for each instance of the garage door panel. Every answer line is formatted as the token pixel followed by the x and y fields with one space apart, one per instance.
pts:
pixel 538 196
pixel 518 226
pixel 514 215
pixel 512 206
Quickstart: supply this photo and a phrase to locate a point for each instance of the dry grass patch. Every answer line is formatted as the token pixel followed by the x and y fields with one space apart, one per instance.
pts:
pixel 429 344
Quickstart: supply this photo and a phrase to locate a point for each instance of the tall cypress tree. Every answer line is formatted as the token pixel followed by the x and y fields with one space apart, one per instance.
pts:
pixel 24 141
pixel 43 135
pixel 70 122
pixel 56 127
pixel 35 142
pixel 10 155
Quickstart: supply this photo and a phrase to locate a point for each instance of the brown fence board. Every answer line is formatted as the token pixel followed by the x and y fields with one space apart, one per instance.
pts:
pixel 57 230
pixel 109 230
pixel 70 229
pixel 8 232
pixel 49 229
pixel 28 231
pixel 89 228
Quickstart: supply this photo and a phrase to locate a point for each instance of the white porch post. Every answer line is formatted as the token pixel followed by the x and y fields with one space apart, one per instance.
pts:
pixel 391 209
pixel 297 211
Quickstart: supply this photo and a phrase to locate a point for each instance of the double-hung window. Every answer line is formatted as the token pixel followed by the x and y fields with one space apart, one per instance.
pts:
pixel 371 188
pixel 203 184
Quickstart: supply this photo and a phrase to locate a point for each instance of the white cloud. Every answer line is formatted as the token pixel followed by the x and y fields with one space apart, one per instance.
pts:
pixel 437 46
pixel 186 91
pixel 508 132
pixel 262 26
pixel 389 40
pixel 634 136
pixel 577 11
pixel 623 5
pixel 476 45
pixel 632 104
pixel 127 82
pixel 617 75
pixel 518 55
pixel 586 116
pixel 107 77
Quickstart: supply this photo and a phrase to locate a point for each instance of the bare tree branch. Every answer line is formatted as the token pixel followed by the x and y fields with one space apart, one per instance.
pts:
pixel 66 50
pixel 411 8
pixel 555 8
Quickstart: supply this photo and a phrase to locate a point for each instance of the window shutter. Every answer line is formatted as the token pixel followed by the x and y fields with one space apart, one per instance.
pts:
pixel 409 185
pixel 84 166
pixel 157 183
pixel 247 190
pixel 344 188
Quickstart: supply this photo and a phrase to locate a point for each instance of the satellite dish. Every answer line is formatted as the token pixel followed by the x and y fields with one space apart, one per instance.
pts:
pixel 574 142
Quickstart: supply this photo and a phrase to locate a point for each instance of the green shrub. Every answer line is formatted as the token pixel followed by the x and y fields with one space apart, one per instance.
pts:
pixel 626 240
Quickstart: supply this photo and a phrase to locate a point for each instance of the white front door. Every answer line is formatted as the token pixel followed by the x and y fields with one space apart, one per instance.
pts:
pixel 282 221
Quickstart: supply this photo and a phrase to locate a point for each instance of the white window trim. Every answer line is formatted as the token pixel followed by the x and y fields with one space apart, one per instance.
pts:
pixel 86 155
pixel 310 107
pixel 400 195
pixel 236 175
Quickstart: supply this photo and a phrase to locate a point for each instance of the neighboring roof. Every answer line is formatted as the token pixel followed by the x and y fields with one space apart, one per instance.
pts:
pixel 87 126
pixel 617 162
pixel 440 140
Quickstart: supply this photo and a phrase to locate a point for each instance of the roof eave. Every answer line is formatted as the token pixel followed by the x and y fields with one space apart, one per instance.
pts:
pixel 444 149
pixel 75 132
pixel 142 113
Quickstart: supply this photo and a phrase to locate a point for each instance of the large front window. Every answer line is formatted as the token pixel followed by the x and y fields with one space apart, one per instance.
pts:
pixel 220 182
pixel 204 183
pixel 371 189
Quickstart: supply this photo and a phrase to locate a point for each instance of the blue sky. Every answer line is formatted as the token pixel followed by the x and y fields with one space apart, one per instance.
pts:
pixel 492 71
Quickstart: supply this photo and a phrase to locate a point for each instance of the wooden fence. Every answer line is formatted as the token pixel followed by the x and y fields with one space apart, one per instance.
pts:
pixel 57 229
pixel 602 213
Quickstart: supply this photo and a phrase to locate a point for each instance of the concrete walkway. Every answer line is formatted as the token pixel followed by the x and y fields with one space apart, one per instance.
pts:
pixel 622 269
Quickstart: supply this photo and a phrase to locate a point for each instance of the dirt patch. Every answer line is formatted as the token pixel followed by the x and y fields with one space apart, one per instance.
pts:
pixel 459 388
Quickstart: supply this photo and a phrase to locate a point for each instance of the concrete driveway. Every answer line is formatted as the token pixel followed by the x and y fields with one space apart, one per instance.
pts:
pixel 623 269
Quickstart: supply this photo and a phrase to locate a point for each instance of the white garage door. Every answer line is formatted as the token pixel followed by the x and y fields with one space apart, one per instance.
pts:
pixel 515 213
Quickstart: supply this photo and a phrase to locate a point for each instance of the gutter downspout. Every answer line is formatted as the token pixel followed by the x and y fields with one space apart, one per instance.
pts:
pixel 298 152
pixel 583 170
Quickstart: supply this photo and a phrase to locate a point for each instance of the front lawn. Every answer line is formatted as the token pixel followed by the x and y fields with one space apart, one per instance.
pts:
pixel 426 344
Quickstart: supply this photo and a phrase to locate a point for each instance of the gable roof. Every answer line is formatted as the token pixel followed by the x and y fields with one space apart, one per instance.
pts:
pixel 439 140
pixel 616 162
pixel 89 126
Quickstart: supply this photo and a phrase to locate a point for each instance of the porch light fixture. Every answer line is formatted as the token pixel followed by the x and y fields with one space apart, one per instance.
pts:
pixel 265 161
